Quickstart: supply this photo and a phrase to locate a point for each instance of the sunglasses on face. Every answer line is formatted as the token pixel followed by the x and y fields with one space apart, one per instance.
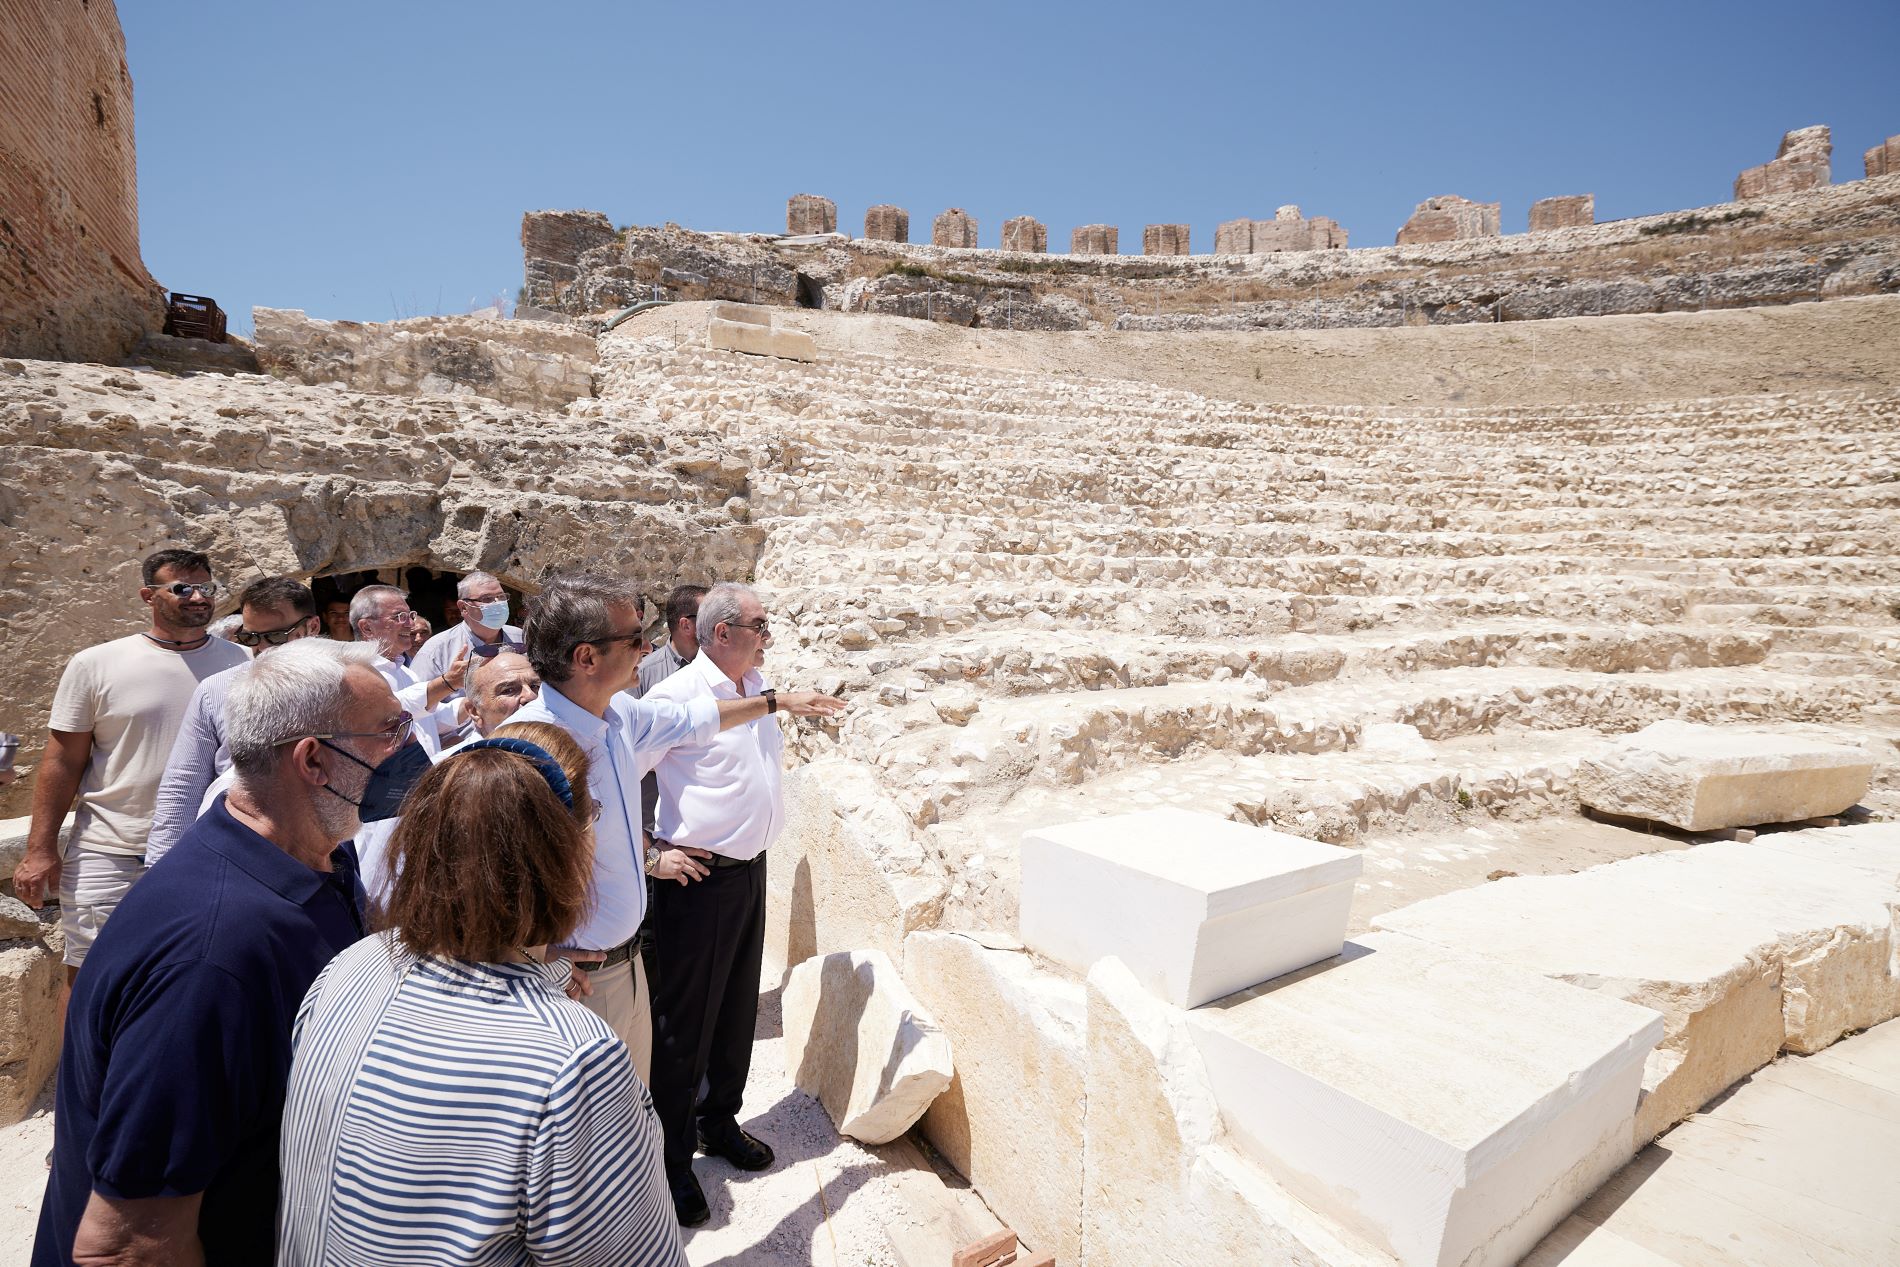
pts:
pixel 634 639
pixel 268 637
pixel 762 628
pixel 186 589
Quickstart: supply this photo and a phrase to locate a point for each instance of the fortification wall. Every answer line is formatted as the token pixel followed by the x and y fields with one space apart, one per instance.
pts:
pixel 1825 243
pixel 71 282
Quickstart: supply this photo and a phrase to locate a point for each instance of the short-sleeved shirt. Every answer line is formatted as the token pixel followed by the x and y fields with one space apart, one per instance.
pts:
pixel 439 652
pixel 198 757
pixel 132 695
pixel 177 1046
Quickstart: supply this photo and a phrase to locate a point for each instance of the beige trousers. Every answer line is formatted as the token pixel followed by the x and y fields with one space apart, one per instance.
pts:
pixel 621 999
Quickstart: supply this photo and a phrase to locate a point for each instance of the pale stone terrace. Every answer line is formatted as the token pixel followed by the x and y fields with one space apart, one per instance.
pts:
pixel 1057 597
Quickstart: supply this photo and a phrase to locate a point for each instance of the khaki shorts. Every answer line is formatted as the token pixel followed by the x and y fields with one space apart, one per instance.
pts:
pixel 91 886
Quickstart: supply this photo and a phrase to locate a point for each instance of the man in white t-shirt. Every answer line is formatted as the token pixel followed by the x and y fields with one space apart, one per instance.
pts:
pixel 117 710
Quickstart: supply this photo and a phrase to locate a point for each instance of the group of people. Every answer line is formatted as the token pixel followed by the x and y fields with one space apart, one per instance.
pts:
pixel 379 951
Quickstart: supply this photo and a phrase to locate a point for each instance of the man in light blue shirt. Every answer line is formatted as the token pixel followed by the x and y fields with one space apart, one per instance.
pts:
pixel 584 639
pixel 275 610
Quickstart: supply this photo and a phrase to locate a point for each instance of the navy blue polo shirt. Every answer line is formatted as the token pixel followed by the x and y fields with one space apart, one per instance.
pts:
pixel 178 1036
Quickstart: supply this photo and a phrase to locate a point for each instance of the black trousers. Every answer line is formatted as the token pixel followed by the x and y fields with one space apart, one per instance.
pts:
pixel 708 939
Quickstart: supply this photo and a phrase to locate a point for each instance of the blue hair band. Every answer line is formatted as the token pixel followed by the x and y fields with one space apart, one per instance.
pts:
pixel 543 761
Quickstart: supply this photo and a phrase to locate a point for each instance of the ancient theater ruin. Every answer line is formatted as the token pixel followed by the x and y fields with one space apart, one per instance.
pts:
pixel 1348 745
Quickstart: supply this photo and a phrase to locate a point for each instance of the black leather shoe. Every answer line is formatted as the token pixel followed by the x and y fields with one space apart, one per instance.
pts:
pixel 725 1139
pixel 689 1203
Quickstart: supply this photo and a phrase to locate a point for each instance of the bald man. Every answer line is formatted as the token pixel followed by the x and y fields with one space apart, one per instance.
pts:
pixel 498 685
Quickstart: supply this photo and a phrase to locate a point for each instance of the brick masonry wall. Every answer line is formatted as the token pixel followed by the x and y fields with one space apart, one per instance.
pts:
pixel 72 284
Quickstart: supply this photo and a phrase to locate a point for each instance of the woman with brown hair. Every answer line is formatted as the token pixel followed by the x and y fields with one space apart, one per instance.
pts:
pixel 448 1103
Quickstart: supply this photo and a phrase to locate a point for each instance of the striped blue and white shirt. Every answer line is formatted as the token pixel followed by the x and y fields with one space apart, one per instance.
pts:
pixel 442 1112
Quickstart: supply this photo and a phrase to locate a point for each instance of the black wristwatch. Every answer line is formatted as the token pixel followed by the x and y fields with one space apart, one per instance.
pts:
pixel 771 700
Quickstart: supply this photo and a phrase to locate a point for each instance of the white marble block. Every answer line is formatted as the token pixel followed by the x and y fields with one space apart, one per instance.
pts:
pixel 1449 1109
pixel 759 340
pixel 1704 778
pixel 858 1040
pixel 1196 906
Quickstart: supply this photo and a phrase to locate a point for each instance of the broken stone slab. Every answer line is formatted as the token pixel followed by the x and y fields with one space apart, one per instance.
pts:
pixel 1711 975
pixel 847 871
pixel 858 1040
pixel 1871 848
pixel 1218 905
pixel 1161 1185
pixel 17 919
pixel 745 314
pixel 757 340
pixel 30 980
pixel 1011 1120
pixel 1831 927
pixel 1703 778
pixel 1447 1108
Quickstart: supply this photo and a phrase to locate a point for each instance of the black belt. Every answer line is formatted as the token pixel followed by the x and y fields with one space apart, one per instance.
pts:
pixel 718 860
pixel 618 955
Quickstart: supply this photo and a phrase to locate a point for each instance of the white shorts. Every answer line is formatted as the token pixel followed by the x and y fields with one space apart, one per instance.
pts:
pixel 91 886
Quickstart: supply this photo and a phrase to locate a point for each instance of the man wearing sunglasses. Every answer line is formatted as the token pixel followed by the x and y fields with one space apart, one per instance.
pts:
pixel 274 611
pixel 585 642
pixel 118 707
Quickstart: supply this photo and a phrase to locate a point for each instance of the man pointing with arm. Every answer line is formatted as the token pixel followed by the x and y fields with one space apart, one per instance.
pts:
pixel 585 640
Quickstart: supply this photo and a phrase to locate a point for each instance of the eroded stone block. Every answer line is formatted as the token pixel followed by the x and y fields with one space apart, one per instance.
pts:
pixel 1221 905
pixel 748 314
pixel 1094 239
pixel 955 227
pixel 886 223
pixel 857 1039
pixel 1883 159
pixel 1025 233
pixel 1571 211
pixel 757 340
pixel 846 873
pixel 1162 1186
pixel 1702 778
pixel 1450 1109
pixel 1449 218
pixel 1011 1120
pixel 809 213
pixel 1710 974
pixel 1164 239
pixel 1802 162
pixel 30 979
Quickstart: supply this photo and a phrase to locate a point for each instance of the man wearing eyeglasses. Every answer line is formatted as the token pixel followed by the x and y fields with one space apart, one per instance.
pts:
pixel 178 1043
pixel 380 615
pixel 720 797
pixel 273 611
pixel 482 604
pixel 585 641
pixel 118 707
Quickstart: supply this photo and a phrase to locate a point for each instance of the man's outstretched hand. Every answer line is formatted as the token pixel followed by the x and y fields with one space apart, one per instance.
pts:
pixel 809 704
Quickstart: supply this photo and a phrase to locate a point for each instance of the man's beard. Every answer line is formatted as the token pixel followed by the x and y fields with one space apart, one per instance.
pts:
pixel 192 617
pixel 336 815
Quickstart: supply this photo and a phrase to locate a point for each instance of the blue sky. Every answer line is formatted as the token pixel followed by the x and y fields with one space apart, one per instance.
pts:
pixel 372 160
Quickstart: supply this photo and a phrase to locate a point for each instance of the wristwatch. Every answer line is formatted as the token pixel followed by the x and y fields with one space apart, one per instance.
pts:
pixel 653 858
pixel 771 700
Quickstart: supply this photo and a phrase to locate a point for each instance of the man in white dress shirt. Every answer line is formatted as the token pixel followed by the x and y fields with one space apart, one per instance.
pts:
pixel 584 640
pixel 721 797
pixel 380 615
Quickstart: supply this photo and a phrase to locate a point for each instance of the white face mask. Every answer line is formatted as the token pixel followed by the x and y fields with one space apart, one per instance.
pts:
pixel 494 615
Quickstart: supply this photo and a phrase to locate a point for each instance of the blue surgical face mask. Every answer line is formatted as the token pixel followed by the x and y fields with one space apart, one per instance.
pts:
pixel 389 780
pixel 495 615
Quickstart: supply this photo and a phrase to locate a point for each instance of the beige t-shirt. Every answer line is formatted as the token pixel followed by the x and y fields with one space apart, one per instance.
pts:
pixel 131 694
